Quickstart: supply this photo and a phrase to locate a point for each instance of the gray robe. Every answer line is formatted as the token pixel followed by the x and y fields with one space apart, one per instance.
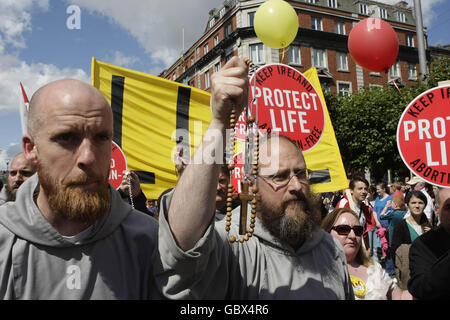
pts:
pixel 115 260
pixel 261 268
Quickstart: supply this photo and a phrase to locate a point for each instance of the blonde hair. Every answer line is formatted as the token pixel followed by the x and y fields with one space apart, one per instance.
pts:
pixel 329 221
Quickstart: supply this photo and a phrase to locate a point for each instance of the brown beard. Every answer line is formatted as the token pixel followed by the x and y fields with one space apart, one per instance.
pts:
pixel 73 203
pixel 293 228
pixel 10 193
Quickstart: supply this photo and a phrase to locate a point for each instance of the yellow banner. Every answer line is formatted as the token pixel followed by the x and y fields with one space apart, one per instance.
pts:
pixel 152 115
pixel 325 159
pixel 148 110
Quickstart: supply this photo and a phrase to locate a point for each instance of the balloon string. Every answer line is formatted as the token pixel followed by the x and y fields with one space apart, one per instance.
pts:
pixel 395 84
pixel 283 51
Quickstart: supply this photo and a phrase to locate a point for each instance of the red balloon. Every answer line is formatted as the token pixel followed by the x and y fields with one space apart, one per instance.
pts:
pixel 373 44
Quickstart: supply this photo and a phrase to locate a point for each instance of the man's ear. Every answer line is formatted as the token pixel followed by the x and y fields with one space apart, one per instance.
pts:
pixel 29 148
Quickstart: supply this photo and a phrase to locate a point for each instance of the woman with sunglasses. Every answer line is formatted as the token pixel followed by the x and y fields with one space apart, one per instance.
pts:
pixel 369 280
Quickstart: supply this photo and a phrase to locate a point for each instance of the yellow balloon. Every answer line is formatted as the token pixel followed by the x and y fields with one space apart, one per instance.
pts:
pixel 276 23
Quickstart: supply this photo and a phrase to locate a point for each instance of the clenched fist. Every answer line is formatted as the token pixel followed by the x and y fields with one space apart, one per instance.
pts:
pixel 229 87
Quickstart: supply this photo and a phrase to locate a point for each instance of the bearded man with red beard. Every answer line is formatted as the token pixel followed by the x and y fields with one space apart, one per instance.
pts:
pixel 288 255
pixel 69 235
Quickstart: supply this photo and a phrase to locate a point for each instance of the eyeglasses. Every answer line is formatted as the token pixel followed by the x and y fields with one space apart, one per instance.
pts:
pixel 344 230
pixel 283 178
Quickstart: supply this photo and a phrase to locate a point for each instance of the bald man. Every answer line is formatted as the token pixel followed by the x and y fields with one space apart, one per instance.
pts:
pixel 429 256
pixel 21 169
pixel 287 257
pixel 69 235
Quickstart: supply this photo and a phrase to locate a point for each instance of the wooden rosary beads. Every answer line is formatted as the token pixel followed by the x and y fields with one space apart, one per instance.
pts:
pixel 244 196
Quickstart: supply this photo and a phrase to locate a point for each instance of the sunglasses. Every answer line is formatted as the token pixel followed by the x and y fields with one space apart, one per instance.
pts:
pixel 344 229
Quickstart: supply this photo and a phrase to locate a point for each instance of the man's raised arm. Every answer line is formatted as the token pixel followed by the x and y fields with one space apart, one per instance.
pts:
pixel 193 204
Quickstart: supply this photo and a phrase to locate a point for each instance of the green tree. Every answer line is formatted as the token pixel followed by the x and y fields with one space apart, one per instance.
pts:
pixel 366 122
pixel 439 71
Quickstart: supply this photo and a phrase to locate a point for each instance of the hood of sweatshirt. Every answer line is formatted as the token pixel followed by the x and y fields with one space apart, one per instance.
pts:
pixel 24 219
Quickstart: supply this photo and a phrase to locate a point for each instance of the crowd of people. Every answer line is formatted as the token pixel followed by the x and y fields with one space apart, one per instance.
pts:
pixel 65 233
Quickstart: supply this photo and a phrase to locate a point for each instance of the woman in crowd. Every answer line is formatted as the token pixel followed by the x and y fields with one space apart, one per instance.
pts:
pixel 382 202
pixel 369 280
pixel 415 224
pixel 406 231
pixel 382 205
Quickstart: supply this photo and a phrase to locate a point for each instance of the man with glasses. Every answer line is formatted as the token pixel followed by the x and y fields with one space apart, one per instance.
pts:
pixel 21 169
pixel 288 256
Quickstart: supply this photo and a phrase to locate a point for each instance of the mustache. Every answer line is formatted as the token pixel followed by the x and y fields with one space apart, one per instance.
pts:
pixel 298 196
pixel 221 192
pixel 83 179
pixel 16 185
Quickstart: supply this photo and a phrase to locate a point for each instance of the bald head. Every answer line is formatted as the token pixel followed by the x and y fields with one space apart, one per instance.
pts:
pixel 21 169
pixel 274 147
pixel 66 93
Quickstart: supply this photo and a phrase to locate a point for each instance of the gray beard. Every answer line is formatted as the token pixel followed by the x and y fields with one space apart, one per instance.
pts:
pixel 291 230
pixel 11 194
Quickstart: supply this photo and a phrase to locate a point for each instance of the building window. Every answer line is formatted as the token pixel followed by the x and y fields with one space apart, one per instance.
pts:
pixel 228 30
pixel 216 40
pixel 205 49
pixel 394 72
pixel 401 17
pixel 332 3
pixel 229 56
pixel 344 88
pixel 316 23
pixel 217 67
pixel 192 61
pixel 222 12
pixel 257 53
pixel 375 86
pixel 294 55
pixel 412 71
pixel 409 40
pixel 197 53
pixel 212 22
pixel 339 27
pixel 319 58
pixel 342 64
pixel 251 18
pixel 383 13
pixel 363 8
pixel 207 79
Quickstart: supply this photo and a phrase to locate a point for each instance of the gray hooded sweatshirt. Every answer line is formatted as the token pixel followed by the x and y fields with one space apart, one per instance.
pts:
pixel 113 259
pixel 261 268
pixel 3 195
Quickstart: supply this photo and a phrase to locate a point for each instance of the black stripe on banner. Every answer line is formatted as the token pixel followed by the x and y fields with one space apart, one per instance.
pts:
pixel 146 177
pixel 319 176
pixel 182 125
pixel 117 88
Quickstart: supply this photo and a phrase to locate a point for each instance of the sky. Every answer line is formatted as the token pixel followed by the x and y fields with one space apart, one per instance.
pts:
pixel 40 41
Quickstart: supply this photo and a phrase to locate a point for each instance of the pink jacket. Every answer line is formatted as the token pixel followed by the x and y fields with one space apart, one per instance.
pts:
pixel 382 233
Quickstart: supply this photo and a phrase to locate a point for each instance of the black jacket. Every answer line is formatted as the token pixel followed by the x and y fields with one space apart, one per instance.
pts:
pixel 402 235
pixel 429 265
